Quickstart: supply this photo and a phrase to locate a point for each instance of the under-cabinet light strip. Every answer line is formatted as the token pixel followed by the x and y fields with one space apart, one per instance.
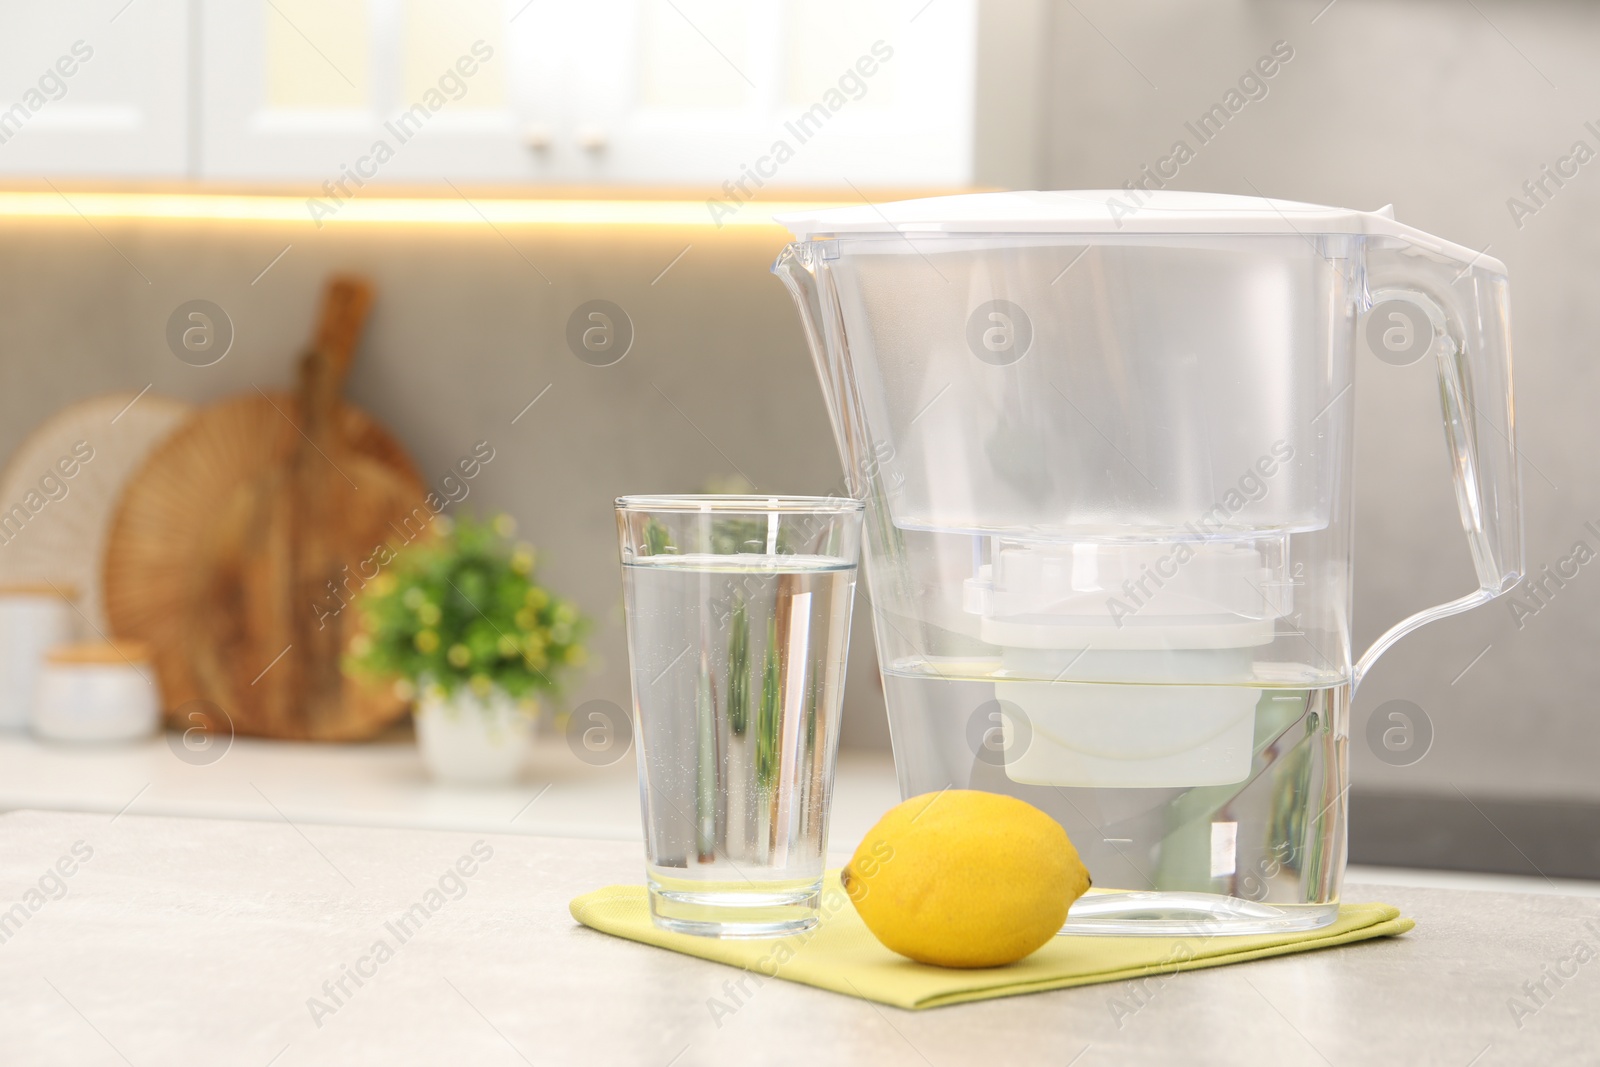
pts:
pixel 324 211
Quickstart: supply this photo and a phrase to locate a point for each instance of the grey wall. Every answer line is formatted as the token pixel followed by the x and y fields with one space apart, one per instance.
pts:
pixel 1443 109
pixel 465 333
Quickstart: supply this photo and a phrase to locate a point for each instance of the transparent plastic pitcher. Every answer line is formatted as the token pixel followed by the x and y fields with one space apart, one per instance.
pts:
pixel 1105 449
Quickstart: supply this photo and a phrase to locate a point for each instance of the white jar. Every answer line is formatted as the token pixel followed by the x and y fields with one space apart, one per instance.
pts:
pixel 33 618
pixel 467 740
pixel 97 692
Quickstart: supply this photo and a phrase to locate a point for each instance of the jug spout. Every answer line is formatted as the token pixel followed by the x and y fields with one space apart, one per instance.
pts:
pixel 795 267
pixel 795 256
pixel 799 266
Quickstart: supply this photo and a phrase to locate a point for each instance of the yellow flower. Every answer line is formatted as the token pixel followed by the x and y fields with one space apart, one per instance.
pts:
pixel 522 562
pixel 536 597
pixel 459 656
pixel 525 619
pixel 428 614
pixel 561 633
pixel 480 683
pixel 565 613
pixel 426 641
pixel 504 525
pixel 360 645
pixel 383 585
pixel 506 646
pixel 413 598
pixel 577 656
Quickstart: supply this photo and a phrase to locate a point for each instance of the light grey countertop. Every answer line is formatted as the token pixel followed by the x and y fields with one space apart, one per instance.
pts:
pixel 203 941
pixel 380 783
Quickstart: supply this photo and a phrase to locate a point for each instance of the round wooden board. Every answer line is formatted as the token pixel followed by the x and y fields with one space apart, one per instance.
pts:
pixel 201 562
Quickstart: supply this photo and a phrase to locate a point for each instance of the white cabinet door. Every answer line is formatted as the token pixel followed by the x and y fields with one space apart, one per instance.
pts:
pixel 94 88
pixel 346 92
pixel 798 92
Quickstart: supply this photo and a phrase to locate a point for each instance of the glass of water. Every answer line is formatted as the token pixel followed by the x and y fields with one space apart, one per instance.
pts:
pixel 738 613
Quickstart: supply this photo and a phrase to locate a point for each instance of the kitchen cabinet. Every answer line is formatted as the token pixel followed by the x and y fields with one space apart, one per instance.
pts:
pixel 95 89
pixel 724 94
pixel 686 92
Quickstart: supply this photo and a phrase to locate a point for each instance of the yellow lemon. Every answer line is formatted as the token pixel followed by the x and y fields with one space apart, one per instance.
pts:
pixel 965 878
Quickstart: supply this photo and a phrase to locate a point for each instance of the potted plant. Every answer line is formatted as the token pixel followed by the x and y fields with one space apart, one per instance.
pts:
pixel 460 625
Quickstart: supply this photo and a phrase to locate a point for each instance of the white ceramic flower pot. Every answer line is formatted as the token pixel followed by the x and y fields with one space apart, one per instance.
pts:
pixel 467 740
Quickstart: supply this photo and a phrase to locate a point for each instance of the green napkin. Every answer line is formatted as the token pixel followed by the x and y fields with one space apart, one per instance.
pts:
pixel 842 955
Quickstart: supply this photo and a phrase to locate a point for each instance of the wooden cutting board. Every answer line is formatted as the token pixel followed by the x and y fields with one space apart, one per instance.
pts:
pixel 238 548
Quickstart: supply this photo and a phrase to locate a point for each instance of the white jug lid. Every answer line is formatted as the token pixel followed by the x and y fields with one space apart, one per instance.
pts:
pixel 1113 211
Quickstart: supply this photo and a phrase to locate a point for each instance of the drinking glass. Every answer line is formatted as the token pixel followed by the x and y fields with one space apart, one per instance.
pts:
pixel 738 616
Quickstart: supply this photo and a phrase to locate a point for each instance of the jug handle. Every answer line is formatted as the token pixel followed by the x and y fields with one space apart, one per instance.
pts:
pixel 1464 305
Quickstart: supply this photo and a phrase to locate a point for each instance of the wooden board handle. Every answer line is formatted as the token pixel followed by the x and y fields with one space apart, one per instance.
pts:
pixel 345 304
